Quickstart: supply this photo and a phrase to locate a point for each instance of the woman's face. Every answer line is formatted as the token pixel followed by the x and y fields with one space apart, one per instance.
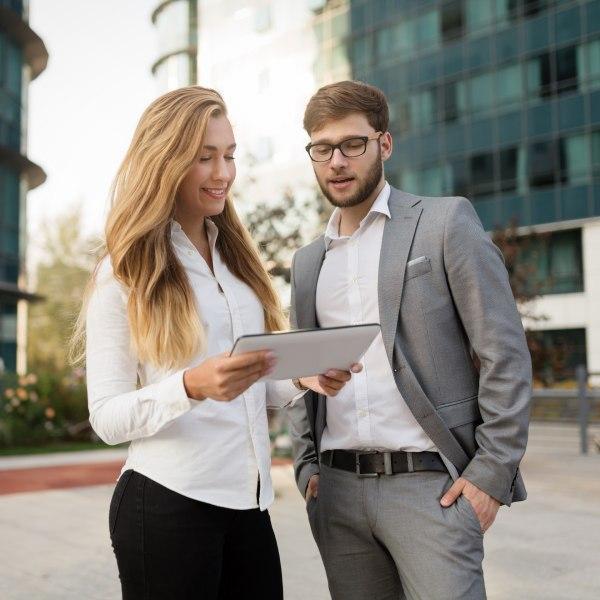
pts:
pixel 204 188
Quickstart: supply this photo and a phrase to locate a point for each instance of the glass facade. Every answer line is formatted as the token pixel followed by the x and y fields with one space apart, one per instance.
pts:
pixel 496 100
pixel 176 24
pixel 17 172
pixel 11 68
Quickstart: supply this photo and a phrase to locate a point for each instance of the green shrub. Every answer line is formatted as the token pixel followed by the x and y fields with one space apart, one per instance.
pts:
pixel 42 408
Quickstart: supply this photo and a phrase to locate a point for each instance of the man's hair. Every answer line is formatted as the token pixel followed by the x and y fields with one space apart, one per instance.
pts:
pixel 338 100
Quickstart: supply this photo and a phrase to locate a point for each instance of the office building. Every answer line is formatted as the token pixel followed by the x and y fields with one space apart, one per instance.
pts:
pixel 498 101
pixel 23 57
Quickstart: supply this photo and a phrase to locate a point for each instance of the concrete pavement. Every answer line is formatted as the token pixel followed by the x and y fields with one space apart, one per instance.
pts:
pixel 54 544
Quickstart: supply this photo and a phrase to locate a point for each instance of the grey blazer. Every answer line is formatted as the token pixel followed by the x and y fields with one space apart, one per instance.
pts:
pixel 443 295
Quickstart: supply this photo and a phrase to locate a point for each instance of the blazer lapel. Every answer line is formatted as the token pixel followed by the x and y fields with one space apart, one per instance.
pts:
pixel 307 277
pixel 398 234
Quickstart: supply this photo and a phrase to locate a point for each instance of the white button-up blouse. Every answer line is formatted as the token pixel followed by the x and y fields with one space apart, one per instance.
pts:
pixel 207 450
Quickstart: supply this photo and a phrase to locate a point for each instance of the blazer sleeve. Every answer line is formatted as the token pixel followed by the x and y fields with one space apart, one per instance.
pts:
pixel 306 463
pixel 482 295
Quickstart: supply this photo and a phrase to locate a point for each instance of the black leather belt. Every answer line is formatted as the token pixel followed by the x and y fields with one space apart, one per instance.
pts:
pixel 373 463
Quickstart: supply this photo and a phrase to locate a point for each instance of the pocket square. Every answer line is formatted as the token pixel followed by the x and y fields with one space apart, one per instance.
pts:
pixel 418 266
pixel 416 261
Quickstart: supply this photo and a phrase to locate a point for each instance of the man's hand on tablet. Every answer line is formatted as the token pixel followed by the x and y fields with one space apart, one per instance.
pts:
pixel 330 382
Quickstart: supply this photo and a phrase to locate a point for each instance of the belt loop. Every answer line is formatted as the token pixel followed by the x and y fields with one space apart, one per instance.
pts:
pixel 330 461
pixel 409 461
pixel 387 463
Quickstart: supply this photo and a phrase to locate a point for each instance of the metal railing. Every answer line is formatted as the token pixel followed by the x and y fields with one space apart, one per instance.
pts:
pixel 583 395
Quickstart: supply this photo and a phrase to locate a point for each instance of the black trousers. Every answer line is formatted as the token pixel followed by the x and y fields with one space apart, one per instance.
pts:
pixel 169 546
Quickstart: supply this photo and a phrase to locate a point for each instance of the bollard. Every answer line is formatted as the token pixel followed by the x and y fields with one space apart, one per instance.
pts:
pixel 584 406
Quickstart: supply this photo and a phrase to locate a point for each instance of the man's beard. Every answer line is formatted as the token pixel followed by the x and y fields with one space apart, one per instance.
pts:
pixel 365 189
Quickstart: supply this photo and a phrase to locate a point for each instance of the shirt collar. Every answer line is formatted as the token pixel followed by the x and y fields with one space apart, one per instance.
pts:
pixel 211 230
pixel 380 206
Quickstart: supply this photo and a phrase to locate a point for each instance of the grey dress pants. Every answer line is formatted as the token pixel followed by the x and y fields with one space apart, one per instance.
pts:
pixel 388 537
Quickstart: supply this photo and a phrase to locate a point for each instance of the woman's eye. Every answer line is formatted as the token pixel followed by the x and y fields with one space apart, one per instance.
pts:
pixel 204 158
pixel 230 157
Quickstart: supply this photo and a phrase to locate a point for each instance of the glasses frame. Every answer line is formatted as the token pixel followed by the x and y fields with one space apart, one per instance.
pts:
pixel 365 139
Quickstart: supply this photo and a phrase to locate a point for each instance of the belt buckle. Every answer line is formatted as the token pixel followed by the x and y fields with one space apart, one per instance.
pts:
pixel 358 472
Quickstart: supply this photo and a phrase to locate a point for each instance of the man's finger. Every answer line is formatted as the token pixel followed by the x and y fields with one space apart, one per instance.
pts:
pixel 330 384
pixel 356 368
pixel 336 375
pixel 453 493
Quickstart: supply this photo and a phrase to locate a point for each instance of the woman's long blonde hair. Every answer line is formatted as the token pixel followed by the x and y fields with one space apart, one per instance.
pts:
pixel 165 327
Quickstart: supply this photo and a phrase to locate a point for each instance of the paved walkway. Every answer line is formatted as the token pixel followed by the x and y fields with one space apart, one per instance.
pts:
pixel 54 544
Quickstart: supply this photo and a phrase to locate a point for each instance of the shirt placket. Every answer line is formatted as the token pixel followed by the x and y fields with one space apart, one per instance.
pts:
pixel 248 397
pixel 357 317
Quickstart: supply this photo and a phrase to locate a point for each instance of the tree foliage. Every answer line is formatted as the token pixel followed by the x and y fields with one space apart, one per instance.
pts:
pixel 550 363
pixel 68 258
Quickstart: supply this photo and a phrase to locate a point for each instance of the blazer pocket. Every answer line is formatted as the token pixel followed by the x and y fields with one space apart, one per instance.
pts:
pixel 417 266
pixel 455 414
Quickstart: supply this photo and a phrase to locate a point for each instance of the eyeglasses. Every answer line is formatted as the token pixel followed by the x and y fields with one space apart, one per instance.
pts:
pixel 350 148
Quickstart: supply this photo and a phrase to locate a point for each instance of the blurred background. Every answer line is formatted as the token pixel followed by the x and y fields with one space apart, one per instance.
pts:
pixel 495 100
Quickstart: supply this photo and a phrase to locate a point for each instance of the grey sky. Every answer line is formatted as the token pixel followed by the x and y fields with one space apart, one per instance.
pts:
pixel 84 107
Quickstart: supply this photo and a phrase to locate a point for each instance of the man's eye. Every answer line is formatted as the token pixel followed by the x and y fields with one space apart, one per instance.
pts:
pixel 320 150
pixel 230 158
pixel 353 143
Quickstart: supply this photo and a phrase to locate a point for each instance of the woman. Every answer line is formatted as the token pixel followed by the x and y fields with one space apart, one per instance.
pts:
pixel 179 282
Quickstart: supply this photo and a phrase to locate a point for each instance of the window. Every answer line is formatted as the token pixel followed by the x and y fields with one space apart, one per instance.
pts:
pixel 533 7
pixel 588 63
pixel 432 181
pixel 423 108
pixel 452 20
pixel 394 42
pixel 542 164
pixel 427 27
pixel 361 53
pixel 558 353
pixel 479 14
pixel 596 153
pixel 509 88
pixel 553 73
pixel 508 169
pixel 556 261
pixel 459 172
pixel 575 157
pixel 449 104
pixel 566 69
pixel 482 174
pixel 481 92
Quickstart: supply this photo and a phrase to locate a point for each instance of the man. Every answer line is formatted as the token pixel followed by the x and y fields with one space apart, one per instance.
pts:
pixel 406 467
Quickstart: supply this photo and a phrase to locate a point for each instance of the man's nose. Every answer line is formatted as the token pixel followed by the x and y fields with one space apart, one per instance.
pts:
pixel 338 160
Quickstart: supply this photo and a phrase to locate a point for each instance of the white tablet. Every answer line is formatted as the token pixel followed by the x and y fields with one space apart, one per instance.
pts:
pixel 306 352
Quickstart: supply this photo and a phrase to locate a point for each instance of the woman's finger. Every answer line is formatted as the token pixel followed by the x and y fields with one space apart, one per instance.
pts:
pixel 248 359
pixel 243 384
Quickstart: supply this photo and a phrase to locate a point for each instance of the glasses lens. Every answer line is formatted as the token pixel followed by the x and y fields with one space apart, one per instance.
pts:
pixel 354 147
pixel 320 152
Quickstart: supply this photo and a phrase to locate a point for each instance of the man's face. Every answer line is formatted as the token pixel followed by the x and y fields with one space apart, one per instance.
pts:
pixel 348 181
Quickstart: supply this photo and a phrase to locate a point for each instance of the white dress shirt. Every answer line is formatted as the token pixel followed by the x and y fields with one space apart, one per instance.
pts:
pixel 369 412
pixel 207 450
